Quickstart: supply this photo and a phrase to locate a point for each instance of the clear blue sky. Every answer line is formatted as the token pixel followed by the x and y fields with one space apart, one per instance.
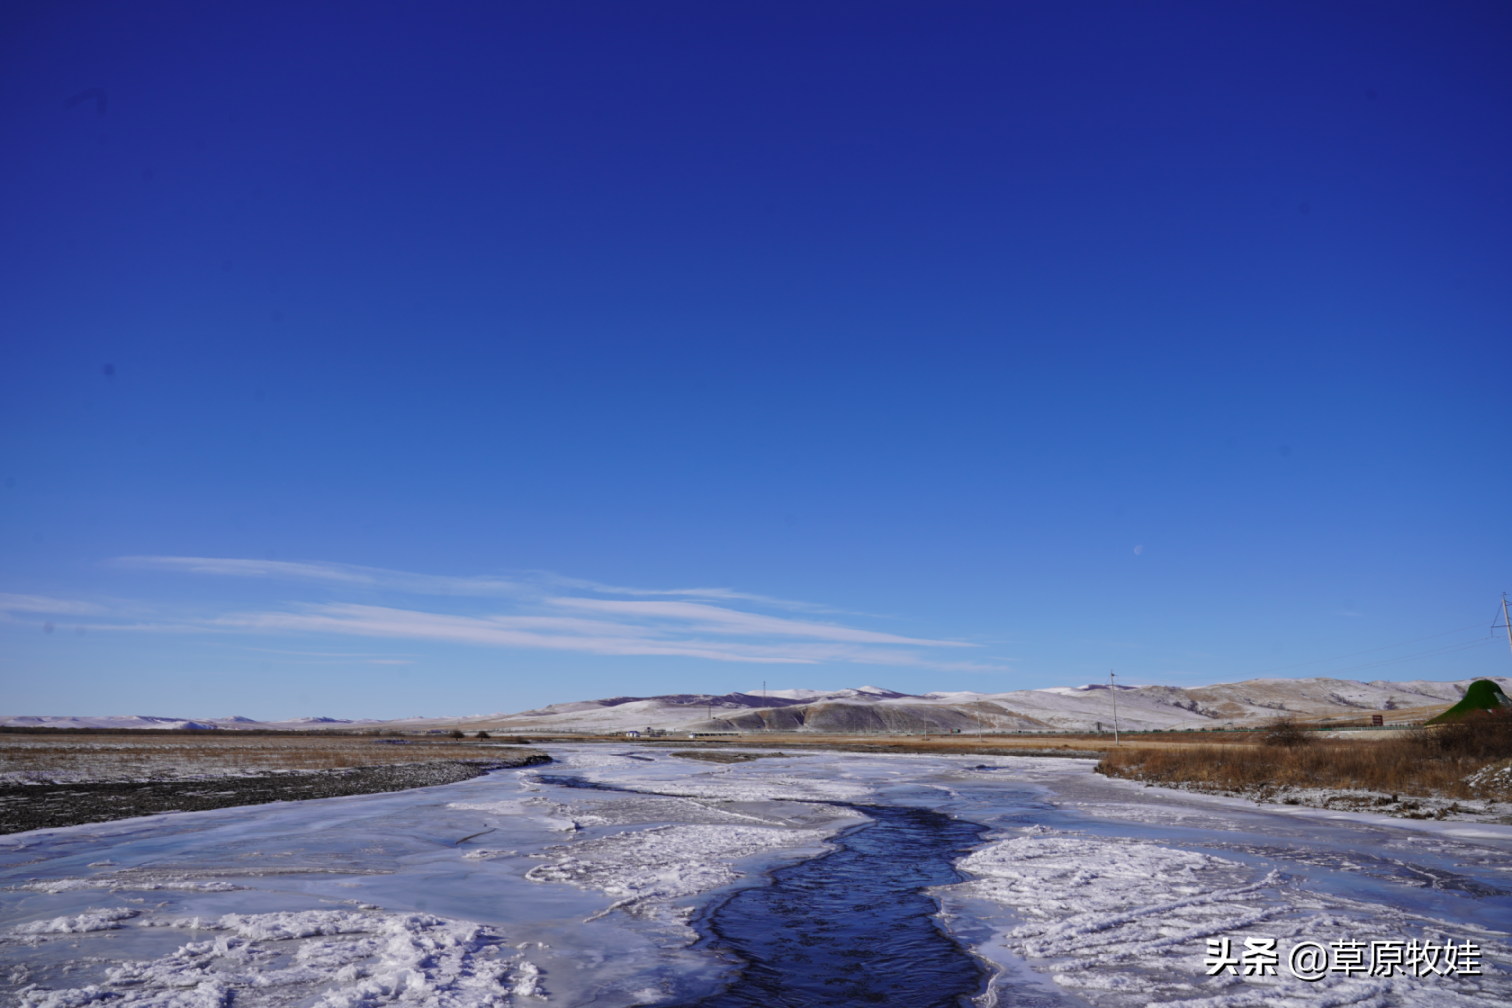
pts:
pixel 502 353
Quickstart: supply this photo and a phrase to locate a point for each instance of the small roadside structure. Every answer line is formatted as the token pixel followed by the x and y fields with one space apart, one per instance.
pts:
pixel 632 734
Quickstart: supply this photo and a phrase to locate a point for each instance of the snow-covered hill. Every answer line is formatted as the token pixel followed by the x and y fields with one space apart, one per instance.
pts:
pixel 872 708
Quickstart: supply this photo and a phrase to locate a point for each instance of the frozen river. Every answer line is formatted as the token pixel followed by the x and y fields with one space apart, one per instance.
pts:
pixel 826 879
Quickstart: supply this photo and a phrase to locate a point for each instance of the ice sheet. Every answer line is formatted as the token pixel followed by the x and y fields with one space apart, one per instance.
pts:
pixel 600 885
pixel 1110 917
pixel 1100 891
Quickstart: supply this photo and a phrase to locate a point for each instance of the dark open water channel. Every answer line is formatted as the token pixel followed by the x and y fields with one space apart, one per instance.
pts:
pixel 851 928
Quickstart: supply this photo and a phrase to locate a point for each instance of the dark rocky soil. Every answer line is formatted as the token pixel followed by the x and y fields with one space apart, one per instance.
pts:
pixel 41 806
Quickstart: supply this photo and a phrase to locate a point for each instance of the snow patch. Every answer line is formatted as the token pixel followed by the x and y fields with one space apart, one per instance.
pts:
pixel 1496 778
pixel 92 920
pixel 117 884
pixel 666 863
pixel 323 958
pixel 1106 918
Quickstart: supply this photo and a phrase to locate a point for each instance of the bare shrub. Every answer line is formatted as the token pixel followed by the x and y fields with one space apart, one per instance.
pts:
pixel 1484 735
pixel 484 734
pixel 1283 731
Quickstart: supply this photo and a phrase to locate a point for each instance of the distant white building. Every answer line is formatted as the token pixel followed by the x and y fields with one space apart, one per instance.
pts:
pixel 632 734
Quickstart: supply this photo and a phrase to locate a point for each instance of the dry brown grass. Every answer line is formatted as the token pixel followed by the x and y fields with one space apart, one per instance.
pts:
pixel 1423 763
pixel 79 758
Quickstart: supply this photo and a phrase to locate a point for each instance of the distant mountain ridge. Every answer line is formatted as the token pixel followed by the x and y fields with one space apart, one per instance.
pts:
pixel 873 708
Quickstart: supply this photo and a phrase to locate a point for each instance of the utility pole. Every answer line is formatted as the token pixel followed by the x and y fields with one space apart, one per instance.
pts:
pixel 1506 623
pixel 977 707
pixel 1113 693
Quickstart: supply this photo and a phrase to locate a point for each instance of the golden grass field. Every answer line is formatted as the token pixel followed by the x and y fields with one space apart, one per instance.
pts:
pixel 1428 762
pixel 1384 767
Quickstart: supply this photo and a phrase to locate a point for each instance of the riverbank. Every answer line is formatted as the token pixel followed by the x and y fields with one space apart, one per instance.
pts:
pixel 46 806
pixel 1399 780
pixel 66 759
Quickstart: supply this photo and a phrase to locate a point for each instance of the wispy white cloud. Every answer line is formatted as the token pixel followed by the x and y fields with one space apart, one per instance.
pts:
pixel 728 594
pixel 49 606
pixel 605 637
pixel 716 619
pixel 347 575
pixel 545 611
pixel 519 584
pixel 546 633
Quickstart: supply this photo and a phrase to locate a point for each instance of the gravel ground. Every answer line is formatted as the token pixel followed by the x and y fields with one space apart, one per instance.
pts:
pixel 43 806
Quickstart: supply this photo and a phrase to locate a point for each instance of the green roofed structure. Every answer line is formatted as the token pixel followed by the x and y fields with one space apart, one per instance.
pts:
pixel 1481 695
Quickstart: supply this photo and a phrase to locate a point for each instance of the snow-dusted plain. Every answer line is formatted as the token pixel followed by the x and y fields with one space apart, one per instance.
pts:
pixel 513 890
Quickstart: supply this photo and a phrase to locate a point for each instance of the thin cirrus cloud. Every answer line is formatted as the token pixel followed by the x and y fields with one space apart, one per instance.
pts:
pixel 715 619
pixel 344 575
pixel 603 637
pixel 726 594
pixel 536 632
pixel 353 575
pixel 539 619
pixel 48 606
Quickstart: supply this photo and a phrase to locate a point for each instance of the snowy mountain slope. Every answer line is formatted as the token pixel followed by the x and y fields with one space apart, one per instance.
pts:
pixel 1447 691
pixel 1320 697
pixel 872 693
pixel 110 721
pixel 1086 707
pixel 1076 708
pixel 871 708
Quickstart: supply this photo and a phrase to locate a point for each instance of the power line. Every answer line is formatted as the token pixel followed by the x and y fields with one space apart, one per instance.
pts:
pixel 1436 652
pixel 1388 647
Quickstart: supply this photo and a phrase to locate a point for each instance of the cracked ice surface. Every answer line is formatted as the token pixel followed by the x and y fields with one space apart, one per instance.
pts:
pixel 1112 893
pixel 510 890
pixel 1126 922
pixel 498 891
